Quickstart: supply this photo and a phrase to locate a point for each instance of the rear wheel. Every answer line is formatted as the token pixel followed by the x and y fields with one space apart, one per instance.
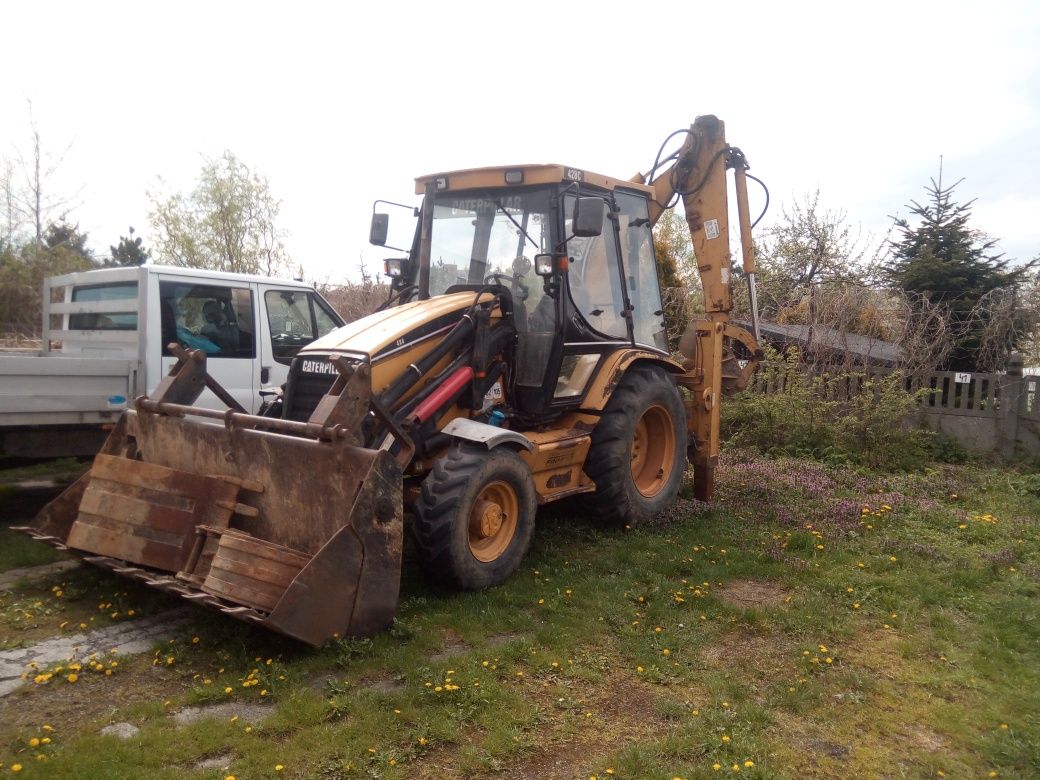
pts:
pixel 638 452
pixel 475 516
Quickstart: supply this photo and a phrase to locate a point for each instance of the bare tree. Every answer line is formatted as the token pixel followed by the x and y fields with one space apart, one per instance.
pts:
pixel 33 201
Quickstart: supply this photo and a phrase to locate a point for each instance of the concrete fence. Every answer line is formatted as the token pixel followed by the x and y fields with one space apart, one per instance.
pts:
pixel 989 414
pixel 996 414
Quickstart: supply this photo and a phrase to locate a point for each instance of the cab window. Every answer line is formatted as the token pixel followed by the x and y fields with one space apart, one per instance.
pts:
pixel 637 251
pixel 214 318
pixel 594 279
pixel 109 320
pixel 296 318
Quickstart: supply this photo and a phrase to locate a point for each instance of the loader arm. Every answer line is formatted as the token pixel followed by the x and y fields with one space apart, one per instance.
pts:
pixel 698 179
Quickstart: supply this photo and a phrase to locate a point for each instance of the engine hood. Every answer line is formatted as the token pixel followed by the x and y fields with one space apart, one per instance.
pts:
pixel 387 331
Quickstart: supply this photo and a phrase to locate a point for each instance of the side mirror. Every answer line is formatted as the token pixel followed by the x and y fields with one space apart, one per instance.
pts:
pixel 543 265
pixel 377 233
pixel 588 217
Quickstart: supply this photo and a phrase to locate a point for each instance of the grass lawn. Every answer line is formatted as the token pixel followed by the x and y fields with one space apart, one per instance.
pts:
pixel 814 622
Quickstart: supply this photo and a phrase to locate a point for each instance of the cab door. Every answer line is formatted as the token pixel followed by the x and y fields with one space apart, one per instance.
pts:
pixel 220 318
pixel 293 318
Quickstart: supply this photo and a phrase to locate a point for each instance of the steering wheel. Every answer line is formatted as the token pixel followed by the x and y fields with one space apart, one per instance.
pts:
pixel 516 286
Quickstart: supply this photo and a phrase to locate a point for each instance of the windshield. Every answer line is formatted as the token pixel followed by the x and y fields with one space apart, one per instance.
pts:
pixel 482 233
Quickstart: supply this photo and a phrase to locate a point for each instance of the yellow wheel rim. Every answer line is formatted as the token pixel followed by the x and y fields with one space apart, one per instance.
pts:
pixel 492 521
pixel 653 451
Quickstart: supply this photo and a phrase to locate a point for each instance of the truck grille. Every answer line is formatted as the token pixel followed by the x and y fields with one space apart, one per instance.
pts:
pixel 305 388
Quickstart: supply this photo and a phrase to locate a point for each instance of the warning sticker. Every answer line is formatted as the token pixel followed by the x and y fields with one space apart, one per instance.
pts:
pixel 711 229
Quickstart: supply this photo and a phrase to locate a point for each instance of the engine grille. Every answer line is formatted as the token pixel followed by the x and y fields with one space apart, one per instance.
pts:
pixel 305 388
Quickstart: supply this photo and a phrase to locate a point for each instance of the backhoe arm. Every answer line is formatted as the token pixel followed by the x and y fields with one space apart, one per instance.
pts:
pixel 698 178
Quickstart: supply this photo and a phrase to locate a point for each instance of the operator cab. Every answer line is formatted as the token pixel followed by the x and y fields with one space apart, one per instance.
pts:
pixel 572 250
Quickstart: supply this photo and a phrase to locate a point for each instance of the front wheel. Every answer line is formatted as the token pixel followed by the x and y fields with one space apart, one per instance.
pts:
pixel 638 453
pixel 475 517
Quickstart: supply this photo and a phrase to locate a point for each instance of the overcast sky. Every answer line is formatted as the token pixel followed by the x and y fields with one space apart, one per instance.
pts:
pixel 340 105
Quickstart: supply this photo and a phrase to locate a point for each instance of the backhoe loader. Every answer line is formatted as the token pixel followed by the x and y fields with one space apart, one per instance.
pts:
pixel 521 359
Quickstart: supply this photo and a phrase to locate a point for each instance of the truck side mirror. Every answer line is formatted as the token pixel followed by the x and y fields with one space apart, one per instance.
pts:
pixel 588 217
pixel 377 233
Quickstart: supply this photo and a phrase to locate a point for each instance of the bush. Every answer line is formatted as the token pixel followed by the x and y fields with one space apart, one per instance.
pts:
pixel 846 417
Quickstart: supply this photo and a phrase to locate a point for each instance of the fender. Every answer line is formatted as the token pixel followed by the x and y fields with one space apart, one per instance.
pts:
pixel 613 368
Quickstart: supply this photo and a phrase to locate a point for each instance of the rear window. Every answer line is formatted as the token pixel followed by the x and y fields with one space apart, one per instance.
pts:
pixel 106 320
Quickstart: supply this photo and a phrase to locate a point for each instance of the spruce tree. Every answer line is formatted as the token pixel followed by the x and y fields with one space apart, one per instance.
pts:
pixel 945 260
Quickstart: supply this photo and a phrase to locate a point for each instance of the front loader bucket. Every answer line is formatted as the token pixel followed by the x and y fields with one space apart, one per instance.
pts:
pixel 301 535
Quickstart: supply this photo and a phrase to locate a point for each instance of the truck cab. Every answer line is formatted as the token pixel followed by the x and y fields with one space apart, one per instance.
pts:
pixel 106 340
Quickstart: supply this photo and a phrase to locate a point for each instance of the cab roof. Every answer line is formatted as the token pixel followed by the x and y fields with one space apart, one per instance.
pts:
pixel 481 178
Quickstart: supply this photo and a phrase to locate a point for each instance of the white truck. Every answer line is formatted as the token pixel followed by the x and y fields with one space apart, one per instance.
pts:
pixel 115 326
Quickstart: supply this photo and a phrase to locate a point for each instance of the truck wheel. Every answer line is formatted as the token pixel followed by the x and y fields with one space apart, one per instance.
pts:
pixel 475 516
pixel 638 452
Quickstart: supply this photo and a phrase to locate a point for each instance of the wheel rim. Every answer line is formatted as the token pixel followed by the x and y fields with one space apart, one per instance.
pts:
pixel 492 521
pixel 653 451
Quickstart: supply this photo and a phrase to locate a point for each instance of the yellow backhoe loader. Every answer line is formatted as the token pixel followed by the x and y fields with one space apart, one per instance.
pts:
pixel 520 359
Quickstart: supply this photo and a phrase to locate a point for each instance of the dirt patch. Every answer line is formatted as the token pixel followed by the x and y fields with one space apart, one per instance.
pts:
pixel 67 707
pixel 222 761
pixel 383 685
pixel 616 720
pixel 497 640
pixel 752 593
pixel 248 713
pixel 923 737
pixel 453 646
pixel 824 748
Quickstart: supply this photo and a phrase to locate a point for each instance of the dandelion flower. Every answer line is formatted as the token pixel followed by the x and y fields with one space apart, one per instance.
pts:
pixel 16 767
pixel 716 767
pixel 278 767
pixel 749 763
pixel 72 677
pixel 34 742
pixel 666 652
pixel 725 738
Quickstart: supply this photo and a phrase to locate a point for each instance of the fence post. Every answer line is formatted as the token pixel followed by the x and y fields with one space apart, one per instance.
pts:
pixel 1010 403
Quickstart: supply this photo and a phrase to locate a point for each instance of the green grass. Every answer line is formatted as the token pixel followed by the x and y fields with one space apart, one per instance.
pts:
pixel 18 550
pixel 723 636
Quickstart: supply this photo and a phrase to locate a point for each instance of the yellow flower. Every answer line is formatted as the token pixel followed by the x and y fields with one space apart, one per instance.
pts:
pixel 1004 726
pixel 278 767
pixel 892 558
pixel 666 651
pixel 227 690
pixel 725 738
pixel 716 767
pixel 72 677
pixel 749 763
pixel 34 742
pixel 16 767
pixel 423 740
pixel 736 767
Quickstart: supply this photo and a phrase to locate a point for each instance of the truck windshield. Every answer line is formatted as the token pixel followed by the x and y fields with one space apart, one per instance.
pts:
pixel 478 235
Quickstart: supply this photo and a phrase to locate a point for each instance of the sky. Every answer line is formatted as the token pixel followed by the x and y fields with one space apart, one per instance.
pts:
pixel 341 104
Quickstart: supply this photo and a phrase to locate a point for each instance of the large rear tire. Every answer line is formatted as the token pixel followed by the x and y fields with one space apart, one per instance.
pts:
pixel 475 517
pixel 638 452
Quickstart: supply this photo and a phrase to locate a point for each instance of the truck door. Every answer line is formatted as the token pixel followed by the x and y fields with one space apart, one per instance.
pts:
pixel 220 318
pixel 294 317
